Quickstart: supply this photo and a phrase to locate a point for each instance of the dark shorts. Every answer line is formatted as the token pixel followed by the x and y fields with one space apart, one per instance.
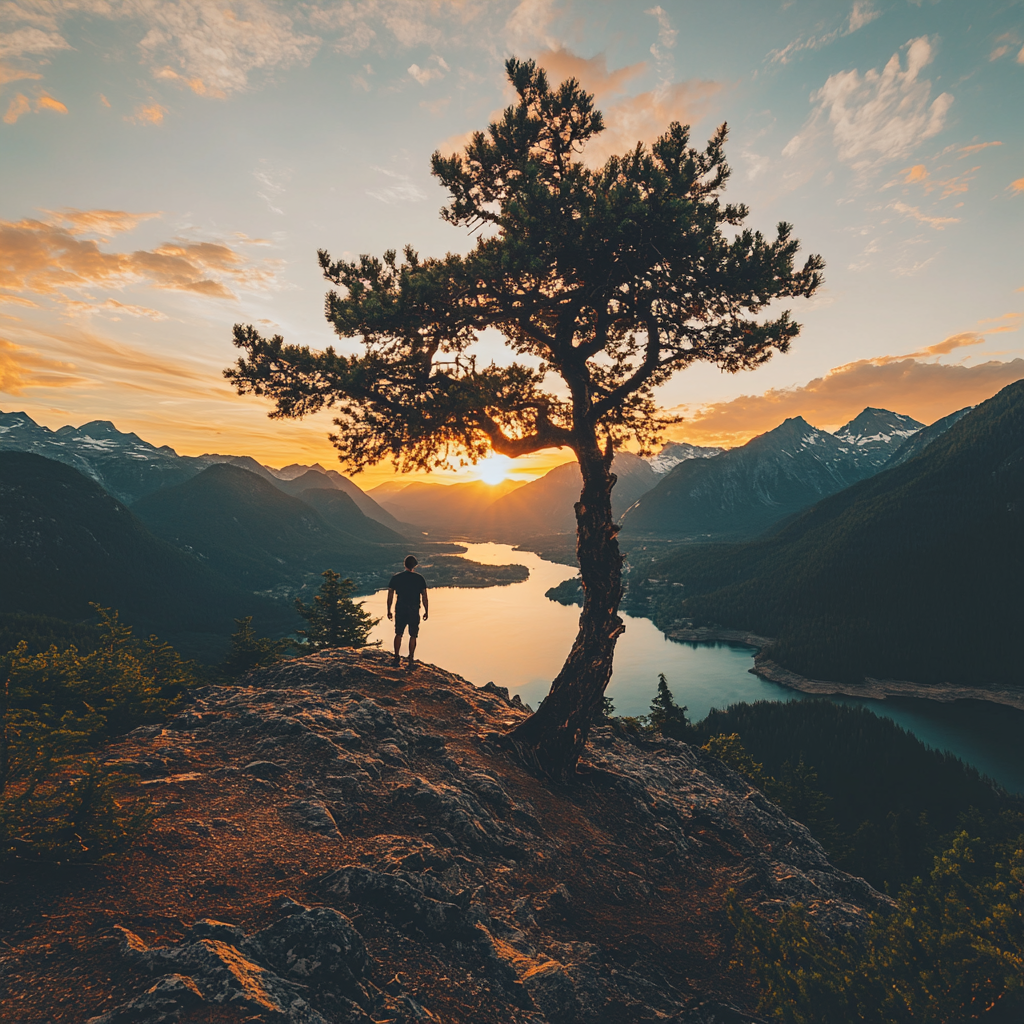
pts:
pixel 410 619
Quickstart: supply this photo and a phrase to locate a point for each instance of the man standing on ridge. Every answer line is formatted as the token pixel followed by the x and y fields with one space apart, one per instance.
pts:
pixel 408 585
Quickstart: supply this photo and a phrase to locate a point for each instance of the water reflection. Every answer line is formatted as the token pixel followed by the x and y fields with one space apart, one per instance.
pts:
pixel 518 638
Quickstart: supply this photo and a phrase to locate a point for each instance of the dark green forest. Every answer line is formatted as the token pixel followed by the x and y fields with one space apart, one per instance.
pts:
pixel 914 574
pixel 945 843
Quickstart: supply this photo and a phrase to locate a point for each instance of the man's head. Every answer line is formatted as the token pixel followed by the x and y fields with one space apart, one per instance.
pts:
pixel 411 562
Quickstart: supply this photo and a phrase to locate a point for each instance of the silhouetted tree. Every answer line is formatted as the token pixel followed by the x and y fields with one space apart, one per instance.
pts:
pixel 335 620
pixel 249 651
pixel 666 715
pixel 609 278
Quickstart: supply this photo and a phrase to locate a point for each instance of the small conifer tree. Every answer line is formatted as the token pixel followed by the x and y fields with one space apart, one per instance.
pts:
pixel 667 717
pixel 249 651
pixel 335 620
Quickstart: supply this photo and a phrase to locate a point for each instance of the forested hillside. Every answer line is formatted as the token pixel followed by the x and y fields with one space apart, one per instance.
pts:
pixel 65 542
pixel 914 574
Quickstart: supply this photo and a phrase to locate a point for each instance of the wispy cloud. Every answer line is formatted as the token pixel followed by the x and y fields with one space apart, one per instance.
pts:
pixel 880 115
pixel 401 190
pixel 863 13
pixel 915 213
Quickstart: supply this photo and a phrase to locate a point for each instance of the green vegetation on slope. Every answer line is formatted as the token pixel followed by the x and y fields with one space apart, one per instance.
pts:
pixel 59 801
pixel 913 574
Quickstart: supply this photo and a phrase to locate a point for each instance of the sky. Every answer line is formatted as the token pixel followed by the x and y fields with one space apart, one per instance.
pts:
pixel 170 168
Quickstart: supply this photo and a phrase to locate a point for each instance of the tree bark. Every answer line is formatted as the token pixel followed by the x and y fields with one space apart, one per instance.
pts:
pixel 553 738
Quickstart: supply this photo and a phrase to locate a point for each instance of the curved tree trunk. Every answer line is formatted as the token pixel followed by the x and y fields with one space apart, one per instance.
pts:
pixel 553 739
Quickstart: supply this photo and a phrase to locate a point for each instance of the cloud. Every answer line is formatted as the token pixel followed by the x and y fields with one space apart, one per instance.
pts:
pixel 22 368
pixel 425 75
pixel 1005 323
pixel 197 85
pixel 963 151
pixel 404 190
pixel 28 40
pixel 863 13
pixel 939 223
pixel 148 113
pixel 950 344
pixel 49 103
pixel 47 258
pixel 628 119
pixel 1017 186
pixel 11 74
pixel 880 115
pixel 18 106
pixel 220 45
pixel 101 222
pixel 925 390
pixel 74 306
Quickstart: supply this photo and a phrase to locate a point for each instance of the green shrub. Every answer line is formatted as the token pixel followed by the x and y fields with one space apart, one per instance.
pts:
pixel 950 950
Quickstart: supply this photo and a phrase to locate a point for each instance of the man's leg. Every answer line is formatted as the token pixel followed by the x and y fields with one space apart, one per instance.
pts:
pixel 398 640
pixel 414 632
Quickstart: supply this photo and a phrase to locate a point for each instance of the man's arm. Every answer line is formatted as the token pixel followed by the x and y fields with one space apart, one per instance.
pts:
pixel 426 607
pixel 391 597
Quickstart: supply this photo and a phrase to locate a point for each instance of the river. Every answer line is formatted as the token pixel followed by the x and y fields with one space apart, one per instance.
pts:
pixel 516 637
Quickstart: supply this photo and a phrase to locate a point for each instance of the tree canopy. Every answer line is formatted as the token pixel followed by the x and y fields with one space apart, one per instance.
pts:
pixel 603 283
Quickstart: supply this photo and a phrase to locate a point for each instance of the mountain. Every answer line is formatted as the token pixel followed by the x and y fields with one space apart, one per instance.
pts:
pixel 544 507
pixel 122 464
pixel 745 490
pixel 287 476
pixel 252 532
pixel 675 452
pixel 918 441
pixel 341 512
pixel 444 510
pixel 129 468
pixel 875 434
pixel 65 542
pixel 913 574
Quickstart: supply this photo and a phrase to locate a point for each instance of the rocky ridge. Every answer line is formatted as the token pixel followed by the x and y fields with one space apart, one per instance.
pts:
pixel 342 841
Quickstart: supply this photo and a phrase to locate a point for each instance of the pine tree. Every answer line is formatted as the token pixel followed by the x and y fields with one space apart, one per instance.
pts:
pixel 609 278
pixel 335 620
pixel 249 651
pixel 666 716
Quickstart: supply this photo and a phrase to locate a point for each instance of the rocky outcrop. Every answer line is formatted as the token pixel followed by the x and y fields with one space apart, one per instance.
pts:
pixel 342 841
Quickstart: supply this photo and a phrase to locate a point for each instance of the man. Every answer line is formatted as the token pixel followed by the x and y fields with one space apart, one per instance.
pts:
pixel 409 586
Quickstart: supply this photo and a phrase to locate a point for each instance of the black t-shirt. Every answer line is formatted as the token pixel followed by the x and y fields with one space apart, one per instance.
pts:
pixel 407 587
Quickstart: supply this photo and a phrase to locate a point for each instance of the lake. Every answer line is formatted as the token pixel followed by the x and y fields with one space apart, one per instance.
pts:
pixel 516 637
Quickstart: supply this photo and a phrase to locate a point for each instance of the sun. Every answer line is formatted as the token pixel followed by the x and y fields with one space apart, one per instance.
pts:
pixel 494 468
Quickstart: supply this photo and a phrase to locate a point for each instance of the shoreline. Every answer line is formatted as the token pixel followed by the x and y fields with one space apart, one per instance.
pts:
pixel 871 689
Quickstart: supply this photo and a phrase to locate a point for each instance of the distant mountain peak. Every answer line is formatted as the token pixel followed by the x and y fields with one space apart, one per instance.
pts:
pixel 674 452
pixel 878 427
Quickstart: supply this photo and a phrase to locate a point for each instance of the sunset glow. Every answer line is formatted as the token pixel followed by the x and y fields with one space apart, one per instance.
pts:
pixel 209 165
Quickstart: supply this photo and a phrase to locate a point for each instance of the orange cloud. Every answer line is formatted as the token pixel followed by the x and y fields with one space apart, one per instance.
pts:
pixel 1006 322
pixel 968 150
pixel 914 174
pixel 152 113
pixel 1016 186
pixel 197 85
pixel 102 222
pixel 43 258
pixel 914 212
pixel 9 74
pixel 629 119
pixel 18 106
pixel 954 341
pixel 104 101
pixel 49 103
pixel 925 390
pixel 21 368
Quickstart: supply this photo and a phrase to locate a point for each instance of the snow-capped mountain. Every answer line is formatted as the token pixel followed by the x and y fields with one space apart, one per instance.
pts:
pixel 675 452
pixel 742 492
pixel 873 435
pixel 129 468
